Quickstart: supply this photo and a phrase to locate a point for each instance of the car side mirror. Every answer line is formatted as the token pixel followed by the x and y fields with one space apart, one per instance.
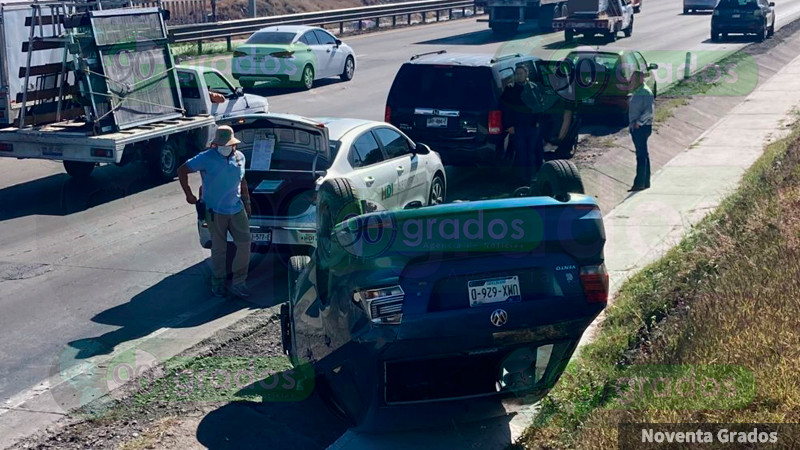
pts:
pixel 239 92
pixel 422 149
pixel 771 3
pixel 338 42
pixel 652 66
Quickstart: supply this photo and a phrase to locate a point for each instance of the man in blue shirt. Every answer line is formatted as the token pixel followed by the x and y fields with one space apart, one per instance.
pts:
pixel 227 201
pixel 640 117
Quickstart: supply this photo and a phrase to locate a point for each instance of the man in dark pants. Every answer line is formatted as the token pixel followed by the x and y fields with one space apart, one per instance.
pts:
pixel 640 117
pixel 521 105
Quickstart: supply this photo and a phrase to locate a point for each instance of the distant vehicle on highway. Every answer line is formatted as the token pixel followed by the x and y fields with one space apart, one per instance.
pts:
pixel 690 6
pixel 592 17
pixel 295 55
pixel 506 16
pixel 743 16
pixel 409 316
pixel 605 82
pixel 451 101
pixel 294 155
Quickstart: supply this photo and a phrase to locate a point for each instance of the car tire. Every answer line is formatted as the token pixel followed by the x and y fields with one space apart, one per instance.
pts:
pixel 558 179
pixel 349 69
pixel 297 264
pixel 714 36
pixel 629 31
pixel 79 170
pixel 611 36
pixel 307 78
pixel 337 201
pixel 164 161
pixel 437 194
pixel 771 30
pixel 687 10
pixel 762 34
pixel 247 84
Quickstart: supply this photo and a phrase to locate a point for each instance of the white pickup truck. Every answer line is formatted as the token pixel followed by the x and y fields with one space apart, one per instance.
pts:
pixel 44 114
pixel 163 145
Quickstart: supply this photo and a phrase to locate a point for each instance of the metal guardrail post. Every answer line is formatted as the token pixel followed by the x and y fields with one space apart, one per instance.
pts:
pixel 199 47
pixel 228 43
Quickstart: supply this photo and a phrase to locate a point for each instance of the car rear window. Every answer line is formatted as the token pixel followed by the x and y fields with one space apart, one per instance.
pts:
pixel 443 86
pixel 738 4
pixel 271 37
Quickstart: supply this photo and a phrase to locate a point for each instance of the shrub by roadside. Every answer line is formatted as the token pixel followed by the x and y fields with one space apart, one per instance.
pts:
pixel 727 296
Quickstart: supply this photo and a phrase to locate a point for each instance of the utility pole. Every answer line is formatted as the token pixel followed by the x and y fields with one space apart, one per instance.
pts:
pixel 252 8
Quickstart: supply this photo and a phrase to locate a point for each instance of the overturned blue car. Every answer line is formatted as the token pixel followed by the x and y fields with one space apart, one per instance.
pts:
pixel 441 311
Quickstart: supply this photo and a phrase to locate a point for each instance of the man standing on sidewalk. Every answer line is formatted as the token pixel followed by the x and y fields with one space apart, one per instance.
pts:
pixel 227 203
pixel 640 118
pixel 521 106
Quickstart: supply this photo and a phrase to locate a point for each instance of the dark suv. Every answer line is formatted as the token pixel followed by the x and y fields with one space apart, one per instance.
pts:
pixel 451 102
pixel 743 16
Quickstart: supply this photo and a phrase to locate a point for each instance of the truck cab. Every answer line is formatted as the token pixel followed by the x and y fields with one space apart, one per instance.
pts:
pixel 199 84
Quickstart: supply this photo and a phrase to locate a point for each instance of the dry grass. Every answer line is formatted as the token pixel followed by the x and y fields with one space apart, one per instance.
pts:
pixel 728 294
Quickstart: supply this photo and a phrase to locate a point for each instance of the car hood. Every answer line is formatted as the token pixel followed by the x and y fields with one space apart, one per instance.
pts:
pixel 257 102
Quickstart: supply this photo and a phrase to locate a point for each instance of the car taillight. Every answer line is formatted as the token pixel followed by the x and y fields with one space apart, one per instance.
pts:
pixel 6 148
pixel 282 54
pixel 101 152
pixel 237 54
pixel 387 115
pixel 495 122
pixel 595 283
pixel 383 305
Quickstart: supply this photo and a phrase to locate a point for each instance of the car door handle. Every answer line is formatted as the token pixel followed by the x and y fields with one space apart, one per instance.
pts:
pixel 329 50
pixel 400 170
pixel 369 180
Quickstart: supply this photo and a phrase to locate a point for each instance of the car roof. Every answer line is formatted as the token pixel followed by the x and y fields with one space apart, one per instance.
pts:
pixel 338 126
pixel 604 51
pixel 466 59
pixel 267 116
pixel 288 28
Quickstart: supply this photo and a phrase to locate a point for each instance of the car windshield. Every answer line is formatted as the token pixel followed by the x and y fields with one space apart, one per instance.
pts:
pixel 271 37
pixel 443 87
pixel 746 4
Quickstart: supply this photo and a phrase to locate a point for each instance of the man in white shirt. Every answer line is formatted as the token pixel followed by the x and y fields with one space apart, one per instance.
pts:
pixel 640 117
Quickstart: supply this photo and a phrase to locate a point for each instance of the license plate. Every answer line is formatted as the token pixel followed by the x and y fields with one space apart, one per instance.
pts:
pixel 437 122
pixel 261 238
pixel 494 290
pixel 736 16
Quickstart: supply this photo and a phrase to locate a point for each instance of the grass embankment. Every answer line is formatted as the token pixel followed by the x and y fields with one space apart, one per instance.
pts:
pixel 728 294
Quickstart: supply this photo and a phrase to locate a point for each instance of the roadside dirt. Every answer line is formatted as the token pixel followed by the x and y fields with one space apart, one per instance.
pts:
pixel 604 154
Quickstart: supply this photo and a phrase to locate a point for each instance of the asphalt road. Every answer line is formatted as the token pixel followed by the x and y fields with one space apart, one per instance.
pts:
pixel 84 267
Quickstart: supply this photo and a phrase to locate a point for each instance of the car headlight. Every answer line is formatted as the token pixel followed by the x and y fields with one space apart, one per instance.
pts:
pixel 383 305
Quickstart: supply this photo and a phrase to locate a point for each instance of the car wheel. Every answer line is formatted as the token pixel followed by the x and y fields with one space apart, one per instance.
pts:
pixel 297 264
pixel 629 30
pixel 771 29
pixel 247 84
pixel 437 194
pixel 79 170
pixel 307 82
pixel 611 36
pixel 337 201
pixel 164 161
pixel 558 179
pixel 349 69
pixel 762 34
pixel 714 36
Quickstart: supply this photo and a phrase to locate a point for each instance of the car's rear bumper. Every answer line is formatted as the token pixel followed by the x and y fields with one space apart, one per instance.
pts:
pixel 751 26
pixel 301 236
pixel 464 152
